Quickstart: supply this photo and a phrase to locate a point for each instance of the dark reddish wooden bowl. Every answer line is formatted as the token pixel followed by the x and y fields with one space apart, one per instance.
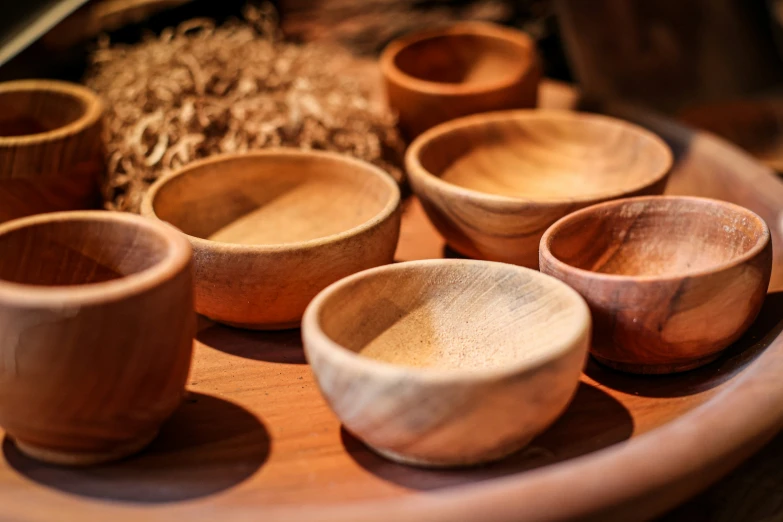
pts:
pixel 671 281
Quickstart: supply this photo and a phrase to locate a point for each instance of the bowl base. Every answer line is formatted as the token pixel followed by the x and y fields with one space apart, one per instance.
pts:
pixel 260 327
pixel 66 458
pixel 479 460
pixel 656 369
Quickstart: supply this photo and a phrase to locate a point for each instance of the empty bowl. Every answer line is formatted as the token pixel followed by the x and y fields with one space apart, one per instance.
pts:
pixel 493 183
pixel 51 152
pixel 447 362
pixel 469 67
pixel 270 229
pixel 671 281
pixel 96 333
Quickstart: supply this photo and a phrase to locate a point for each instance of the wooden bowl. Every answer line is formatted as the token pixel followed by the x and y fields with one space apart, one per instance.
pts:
pixel 467 68
pixel 447 362
pixel 671 281
pixel 493 183
pixel 51 153
pixel 96 333
pixel 270 229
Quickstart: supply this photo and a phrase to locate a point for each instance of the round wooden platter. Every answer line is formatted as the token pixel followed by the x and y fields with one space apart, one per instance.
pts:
pixel 255 441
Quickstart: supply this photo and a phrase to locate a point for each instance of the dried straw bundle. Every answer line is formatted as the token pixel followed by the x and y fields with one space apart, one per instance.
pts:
pixel 199 90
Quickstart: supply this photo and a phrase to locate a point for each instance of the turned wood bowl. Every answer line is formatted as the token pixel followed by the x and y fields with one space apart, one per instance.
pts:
pixel 270 229
pixel 51 151
pixel 447 363
pixel 493 183
pixel 96 333
pixel 466 68
pixel 671 281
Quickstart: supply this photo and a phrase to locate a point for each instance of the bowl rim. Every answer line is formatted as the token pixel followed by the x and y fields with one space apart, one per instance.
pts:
pixel 176 259
pixel 578 332
pixel 92 113
pixel 391 206
pixel 394 74
pixel 545 251
pixel 416 170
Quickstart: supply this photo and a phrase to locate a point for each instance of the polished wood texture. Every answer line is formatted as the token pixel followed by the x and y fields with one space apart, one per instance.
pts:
pixel 467 68
pixel 271 229
pixel 415 357
pixel 671 281
pixel 255 438
pixel 96 333
pixel 756 125
pixel 51 153
pixel 493 183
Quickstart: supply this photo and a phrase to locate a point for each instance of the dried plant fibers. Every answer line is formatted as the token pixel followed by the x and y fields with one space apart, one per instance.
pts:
pixel 198 90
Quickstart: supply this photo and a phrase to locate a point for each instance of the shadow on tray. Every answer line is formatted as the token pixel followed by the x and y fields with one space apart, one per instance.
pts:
pixel 764 330
pixel 593 421
pixel 284 346
pixel 207 446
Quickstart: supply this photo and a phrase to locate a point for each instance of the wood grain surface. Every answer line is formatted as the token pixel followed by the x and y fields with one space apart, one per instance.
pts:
pixel 51 154
pixel 271 229
pixel 466 68
pixel 255 439
pixel 96 328
pixel 670 280
pixel 493 183
pixel 461 343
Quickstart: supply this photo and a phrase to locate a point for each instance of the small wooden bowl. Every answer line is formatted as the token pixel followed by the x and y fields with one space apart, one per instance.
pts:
pixel 467 68
pixel 493 183
pixel 270 229
pixel 51 152
pixel 671 281
pixel 447 362
pixel 96 333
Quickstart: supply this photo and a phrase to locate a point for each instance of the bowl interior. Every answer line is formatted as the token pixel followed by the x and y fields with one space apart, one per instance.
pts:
pixel 271 199
pixel 452 316
pixel 26 112
pixel 465 58
pixel 656 237
pixel 546 157
pixel 77 252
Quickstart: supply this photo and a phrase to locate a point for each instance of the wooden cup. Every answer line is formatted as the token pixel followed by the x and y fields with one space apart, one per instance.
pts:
pixel 270 229
pixel 671 281
pixel 96 333
pixel 493 183
pixel 51 150
pixel 444 363
pixel 466 68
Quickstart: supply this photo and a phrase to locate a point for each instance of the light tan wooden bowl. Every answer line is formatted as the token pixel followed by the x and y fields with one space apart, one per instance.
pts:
pixel 447 362
pixel 270 229
pixel 96 333
pixel 493 183
pixel 466 68
pixel 671 281
pixel 51 152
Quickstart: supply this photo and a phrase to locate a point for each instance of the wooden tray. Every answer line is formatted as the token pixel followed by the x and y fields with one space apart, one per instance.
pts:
pixel 255 441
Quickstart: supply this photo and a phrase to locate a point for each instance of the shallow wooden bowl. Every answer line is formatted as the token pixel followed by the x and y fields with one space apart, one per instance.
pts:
pixel 467 68
pixel 96 333
pixel 671 281
pixel 447 362
pixel 51 153
pixel 270 229
pixel 493 183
